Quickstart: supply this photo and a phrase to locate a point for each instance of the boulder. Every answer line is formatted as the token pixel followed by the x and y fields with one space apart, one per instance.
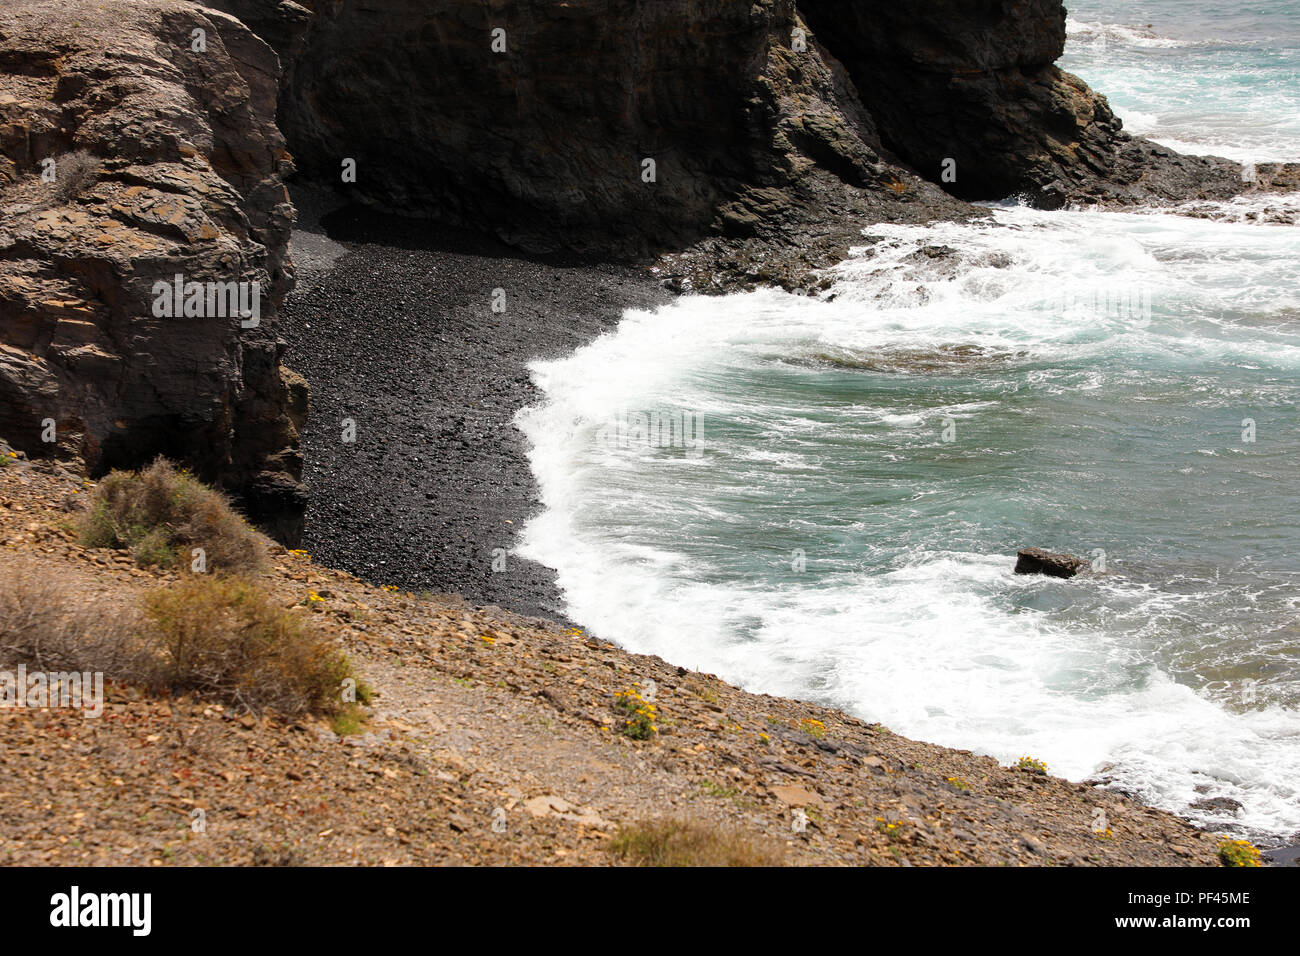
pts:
pixel 1219 805
pixel 1038 561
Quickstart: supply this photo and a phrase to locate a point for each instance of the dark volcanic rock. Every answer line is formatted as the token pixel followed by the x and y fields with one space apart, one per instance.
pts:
pixel 1283 856
pixel 1038 561
pixel 1218 804
pixel 544 140
pixel 772 142
pixel 974 81
pixel 166 161
pixel 281 23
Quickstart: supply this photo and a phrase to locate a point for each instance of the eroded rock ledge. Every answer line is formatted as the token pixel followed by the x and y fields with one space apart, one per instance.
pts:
pixel 974 83
pixel 129 157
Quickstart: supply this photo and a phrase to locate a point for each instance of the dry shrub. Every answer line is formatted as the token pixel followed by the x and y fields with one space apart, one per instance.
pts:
pixel 74 174
pixel 225 638
pixel 47 624
pixel 161 514
pixel 219 637
pixel 687 843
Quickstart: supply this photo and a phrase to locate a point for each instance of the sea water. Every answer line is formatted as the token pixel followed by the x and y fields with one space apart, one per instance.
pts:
pixel 863 465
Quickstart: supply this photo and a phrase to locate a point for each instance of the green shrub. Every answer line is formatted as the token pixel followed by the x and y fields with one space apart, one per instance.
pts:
pixel 160 515
pixel 637 715
pixel 1031 765
pixel 1238 853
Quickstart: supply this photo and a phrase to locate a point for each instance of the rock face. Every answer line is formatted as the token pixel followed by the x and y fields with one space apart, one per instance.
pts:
pixel 132 151
pixel 535 120
pixel 602 126
pixel 970 86
pixel 1038 561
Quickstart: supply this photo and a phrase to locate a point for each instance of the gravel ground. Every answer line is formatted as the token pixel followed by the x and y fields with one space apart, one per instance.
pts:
pixel 496 739
pixel 392 326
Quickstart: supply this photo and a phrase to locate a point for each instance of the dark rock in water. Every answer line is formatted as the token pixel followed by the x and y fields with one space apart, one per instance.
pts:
pixel 1218 804
pixel 972 89
pixel 1038 561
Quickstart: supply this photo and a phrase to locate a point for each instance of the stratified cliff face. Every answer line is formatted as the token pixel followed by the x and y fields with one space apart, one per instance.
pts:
pixel 972 84
pixel 133 151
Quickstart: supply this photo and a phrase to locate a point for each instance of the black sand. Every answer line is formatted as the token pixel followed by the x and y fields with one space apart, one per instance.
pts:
pixel 398 334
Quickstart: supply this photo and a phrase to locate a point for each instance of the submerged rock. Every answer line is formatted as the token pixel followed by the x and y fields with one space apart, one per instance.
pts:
pixel 1038 561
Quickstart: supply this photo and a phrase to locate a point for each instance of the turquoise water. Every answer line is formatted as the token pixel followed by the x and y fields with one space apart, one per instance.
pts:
pixel 837 512
pixel 1201 77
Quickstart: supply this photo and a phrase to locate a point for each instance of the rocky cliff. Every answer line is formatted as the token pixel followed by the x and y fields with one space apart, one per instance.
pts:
pixel 137 145
pixel 536 120
pixel 971 85
pixel 602 126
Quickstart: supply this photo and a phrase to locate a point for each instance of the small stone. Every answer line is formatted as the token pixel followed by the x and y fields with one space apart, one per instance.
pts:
pixel 796 796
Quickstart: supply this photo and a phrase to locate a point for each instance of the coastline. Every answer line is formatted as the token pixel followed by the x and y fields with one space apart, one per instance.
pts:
pixel 420 483
pixel 495 739
pixel 435 501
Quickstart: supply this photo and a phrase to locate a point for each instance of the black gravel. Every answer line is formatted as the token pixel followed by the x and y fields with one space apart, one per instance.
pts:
pixel 398 334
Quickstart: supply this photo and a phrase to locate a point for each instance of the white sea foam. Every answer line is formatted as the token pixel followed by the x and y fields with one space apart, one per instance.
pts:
pixel 1223 86
pixel 939 644
pixel 1139 36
